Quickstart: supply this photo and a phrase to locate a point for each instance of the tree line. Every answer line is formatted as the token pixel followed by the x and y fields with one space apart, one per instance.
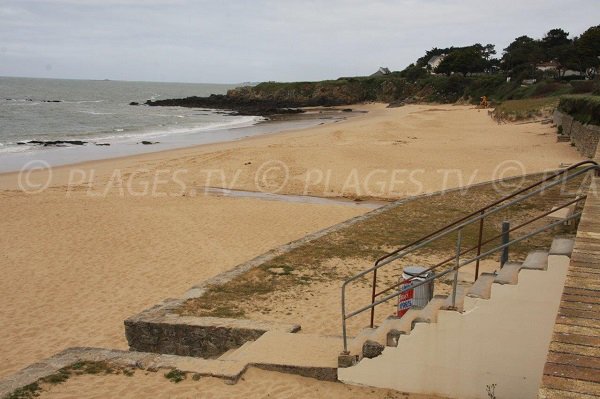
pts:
pixel 520 59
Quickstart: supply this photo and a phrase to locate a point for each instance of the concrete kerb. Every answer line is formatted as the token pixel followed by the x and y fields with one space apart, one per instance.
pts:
pixel 229 370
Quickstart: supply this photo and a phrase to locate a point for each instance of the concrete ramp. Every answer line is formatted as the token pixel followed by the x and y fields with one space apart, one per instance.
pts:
pixel 304 354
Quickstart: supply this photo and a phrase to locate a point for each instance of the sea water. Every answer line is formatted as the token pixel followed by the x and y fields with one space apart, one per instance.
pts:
pixel 98 112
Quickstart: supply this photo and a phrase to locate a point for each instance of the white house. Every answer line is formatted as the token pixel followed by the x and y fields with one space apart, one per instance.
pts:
pixel 382 71
pixel 435 61
pixel 553 66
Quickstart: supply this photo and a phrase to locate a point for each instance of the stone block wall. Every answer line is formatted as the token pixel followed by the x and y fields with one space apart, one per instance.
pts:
pixel 584 137
pixel 161 330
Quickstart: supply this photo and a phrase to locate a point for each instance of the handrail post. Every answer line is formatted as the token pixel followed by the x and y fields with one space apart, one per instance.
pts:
pixel 479 246
pixel 505 240
pixel 345 338
pixel 455 282
pixel 373 294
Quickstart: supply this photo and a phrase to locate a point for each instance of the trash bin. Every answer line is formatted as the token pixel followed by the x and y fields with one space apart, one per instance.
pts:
pixel 418 297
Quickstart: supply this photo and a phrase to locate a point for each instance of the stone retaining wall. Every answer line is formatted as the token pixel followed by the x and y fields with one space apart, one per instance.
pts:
pixel 161 330
pixel 584 137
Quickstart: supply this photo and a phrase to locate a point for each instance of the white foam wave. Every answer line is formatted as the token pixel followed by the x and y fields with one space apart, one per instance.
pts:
pixel 83 101
pixel 239 122
pixel 96 113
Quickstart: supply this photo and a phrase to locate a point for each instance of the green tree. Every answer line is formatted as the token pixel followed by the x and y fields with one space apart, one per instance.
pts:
pixel 558 47
pixel 523 54
pixel 588 50
pixel 413 72
pixel 464 60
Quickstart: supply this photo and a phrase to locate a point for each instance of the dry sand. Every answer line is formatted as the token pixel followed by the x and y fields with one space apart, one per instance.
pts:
pixel 74 268
pixel 254 384
pixel 110 238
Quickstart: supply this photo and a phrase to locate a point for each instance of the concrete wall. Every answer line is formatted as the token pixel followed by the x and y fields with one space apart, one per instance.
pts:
pixel 584 137
pixel 500 341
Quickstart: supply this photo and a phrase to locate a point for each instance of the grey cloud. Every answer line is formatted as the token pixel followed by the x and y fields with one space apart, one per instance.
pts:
pixel 233 41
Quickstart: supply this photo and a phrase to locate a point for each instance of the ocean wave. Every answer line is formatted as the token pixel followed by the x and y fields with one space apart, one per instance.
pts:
pixel 96 113
pixel 241 121
pixel 9 149
pixel 129 135
pixel 83 101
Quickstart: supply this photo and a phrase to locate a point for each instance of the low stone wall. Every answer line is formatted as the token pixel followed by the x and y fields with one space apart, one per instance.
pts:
pixel 584 137
pixel 161 330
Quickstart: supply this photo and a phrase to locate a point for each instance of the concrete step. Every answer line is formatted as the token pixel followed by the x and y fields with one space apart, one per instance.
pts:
pixel 562 246
pixel 304 354
pixel 536 260
pixel 430 312
pixel 509 274
pixel 232 352
pixel 461 292
pixel 396 327
pixel 482 287
pixel 356 344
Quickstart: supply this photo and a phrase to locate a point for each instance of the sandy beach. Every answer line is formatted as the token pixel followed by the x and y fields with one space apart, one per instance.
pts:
pixel 85 246
pixel 255 384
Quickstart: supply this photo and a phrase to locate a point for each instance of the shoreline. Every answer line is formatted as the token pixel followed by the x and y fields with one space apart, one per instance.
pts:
pixel 81 155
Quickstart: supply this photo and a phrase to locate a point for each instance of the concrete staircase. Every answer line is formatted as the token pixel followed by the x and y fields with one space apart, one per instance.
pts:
pixel 497 334
pixel 371 342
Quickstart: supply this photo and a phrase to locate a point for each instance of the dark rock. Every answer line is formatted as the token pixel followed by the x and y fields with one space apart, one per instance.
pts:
pixel 396 104
pixel 52 101
pixel 102 144
pixel 372 349
pixel 134 103
pixel 55 143
pixel 234 105
pixel 145 142
pixel 347 110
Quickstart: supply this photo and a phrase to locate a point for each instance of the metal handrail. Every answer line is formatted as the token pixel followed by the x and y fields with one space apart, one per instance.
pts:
pixel 512 229
pixel 481 212
pixel 458 225
pixel 453 268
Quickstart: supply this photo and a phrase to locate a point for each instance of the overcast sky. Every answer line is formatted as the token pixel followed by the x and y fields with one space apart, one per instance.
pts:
pixel 257 40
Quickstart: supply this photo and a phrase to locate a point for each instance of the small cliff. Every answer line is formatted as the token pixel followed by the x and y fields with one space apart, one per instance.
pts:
pixel 270 98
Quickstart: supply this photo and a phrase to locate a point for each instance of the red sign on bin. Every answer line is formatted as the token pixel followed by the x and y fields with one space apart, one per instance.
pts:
pixel 405 300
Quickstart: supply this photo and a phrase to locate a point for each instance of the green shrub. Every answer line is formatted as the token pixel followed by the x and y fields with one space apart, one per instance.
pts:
pixel 584 86
pixel 585 109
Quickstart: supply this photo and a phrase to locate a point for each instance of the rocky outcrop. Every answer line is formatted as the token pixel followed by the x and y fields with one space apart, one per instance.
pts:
pixel 272 98
pixel 53 143
pixel 237 105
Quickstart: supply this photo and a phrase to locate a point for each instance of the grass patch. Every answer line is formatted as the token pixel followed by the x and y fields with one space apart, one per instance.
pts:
pixel 529 108
pixel 62 375
pixel 376 236
pixel 175 376
pixel 26 392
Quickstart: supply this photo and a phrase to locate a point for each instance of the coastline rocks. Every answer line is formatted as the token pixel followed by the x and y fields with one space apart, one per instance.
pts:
pixel 237 105
pixel 55 143
pixel 134 103
pixel 146 142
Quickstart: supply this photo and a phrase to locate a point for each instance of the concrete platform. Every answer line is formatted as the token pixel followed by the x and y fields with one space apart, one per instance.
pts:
pixel 305 354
